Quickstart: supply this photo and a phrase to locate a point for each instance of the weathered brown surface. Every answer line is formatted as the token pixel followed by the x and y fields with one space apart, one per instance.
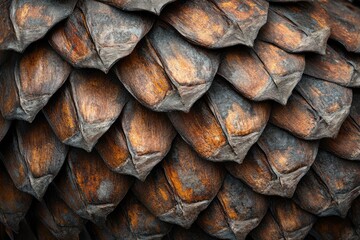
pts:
pixel 85 107
pixel 284 220
pixel 23 21
pixel 165 72
pixel 131 220
pixel 183 186
pixel 262 73
pixel 29 81
pixel 97 35
pixel 41 232
pixel 4 125
pixel 57 217
pixel 194 233
pixel 33 156
pixel 315 110
pixel 347 143
pixel 344 21
pixel 330 186
pixel 354 214
pixel 223 125
pixel 88 187
pixel 234 212
pixel 276 163
pixel 334 67
pixel 138 141
pixel 14 203
pixel 297 27
pixel 333 228
pixel 154 6
pixel 218 23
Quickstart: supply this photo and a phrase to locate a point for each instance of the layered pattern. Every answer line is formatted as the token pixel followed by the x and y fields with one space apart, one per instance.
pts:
pixel 179 119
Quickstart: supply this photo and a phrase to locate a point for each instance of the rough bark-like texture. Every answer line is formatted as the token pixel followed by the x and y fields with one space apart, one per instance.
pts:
pixel 29 81
pixel 334 228
pixel 57 217
pixel 234 212
pixel 344 21
pixel 41 232
pixel 165 72
pixel 137 141
pixel 354 214
pixel 131 220
pixel 297 27
pixel 284 220
pixel 97 35
pixel 347 142
pixel 330 186
pixel 154 6
pixel 218 23
pixel 262 73
pixel 183 186
pixel 315 110
pixel 194 233
pixel 223 125
pixel 334 67
pixel 23 21
pixel 88 187
pixel 4 125
pixel 14 203
pixel 33 156
pixel 275 165
pixel 85 107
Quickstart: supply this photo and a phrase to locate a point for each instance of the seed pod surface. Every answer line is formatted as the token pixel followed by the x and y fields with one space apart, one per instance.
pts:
pixel 236 211
pixel 179 189
pixel 85 108
pixel 154 6
pixel 218 23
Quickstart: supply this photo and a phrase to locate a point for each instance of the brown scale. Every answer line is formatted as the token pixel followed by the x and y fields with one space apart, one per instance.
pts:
pixel 217 23
pixel 88 187
pixel 85 107
pixel 234 212
pixel 137 141
pixel 28 81
pixel 262 73
pixel 33 156
pixel 24 22
pixel 154 6
pixel 97 35
pixel 223 125
pixel 276 163
pixel 330 186
pixel 183 186
pixel 165 72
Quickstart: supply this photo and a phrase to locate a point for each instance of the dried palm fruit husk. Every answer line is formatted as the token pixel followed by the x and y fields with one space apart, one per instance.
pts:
pixel 223 125
pixel 330 186
pixel 131 220
pixel 85 107
pixel 347 143
pixel 335 66
pixel 137 141
pixel 297 27
pixel 217 23
pixel 264 72
pixel 276 163
pixel 24 22
pixel 33 156
pixel 165 72
pixel 315 110
pixel 57 217
pixel 354 214
pixel 344 21
pixel 194 233
pixel 284 220
pixel 334 228
pixel 183 186
pixel 14 203
pixel 154 6
pixel 89 187
pixel 28 81
pixel 97 35
pixel 234 212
